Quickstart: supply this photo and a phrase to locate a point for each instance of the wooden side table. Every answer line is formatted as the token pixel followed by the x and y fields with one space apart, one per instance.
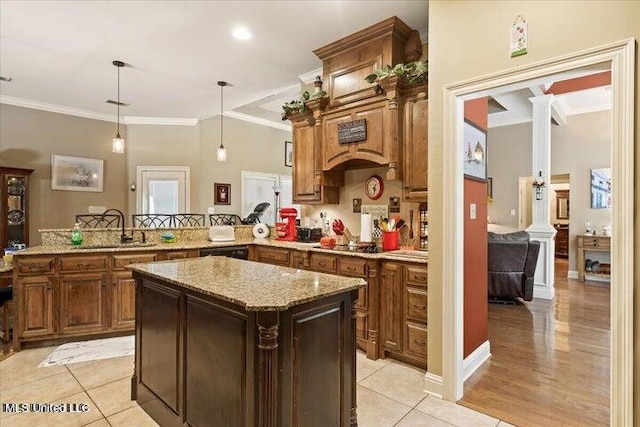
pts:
pixel 592 244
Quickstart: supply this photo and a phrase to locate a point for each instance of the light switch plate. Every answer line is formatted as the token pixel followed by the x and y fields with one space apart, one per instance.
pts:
pixel 97 209
pixel 472 211
pixel 210 210
pixel 513 212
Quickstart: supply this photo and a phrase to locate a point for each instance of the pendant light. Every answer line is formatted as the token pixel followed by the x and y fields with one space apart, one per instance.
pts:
pixel 118 142
pixel 222 152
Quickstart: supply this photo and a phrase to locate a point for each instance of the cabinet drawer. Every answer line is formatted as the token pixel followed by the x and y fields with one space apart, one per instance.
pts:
pixel 416 340
pixel 324 263
pixel 273 256
pixel 35 265
pixel 121 261
pixel 596 242
pixel 417 276
pixel 85 263
pixel 416 300
pixel 352 266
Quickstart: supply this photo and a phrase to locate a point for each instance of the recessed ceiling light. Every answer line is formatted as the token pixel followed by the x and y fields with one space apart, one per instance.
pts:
pixel 241 33
pixel 5 79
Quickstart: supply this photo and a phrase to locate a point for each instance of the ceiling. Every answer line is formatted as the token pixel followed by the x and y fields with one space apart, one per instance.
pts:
pixel 59 53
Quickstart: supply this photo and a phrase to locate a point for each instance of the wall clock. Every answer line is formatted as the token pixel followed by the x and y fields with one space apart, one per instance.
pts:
pixel 374 187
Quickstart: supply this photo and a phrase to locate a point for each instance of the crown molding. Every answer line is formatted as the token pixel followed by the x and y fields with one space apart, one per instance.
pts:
pixel 424 35
pixel 309 77
pixel 36 105
pixel 164 121
pixel 257 120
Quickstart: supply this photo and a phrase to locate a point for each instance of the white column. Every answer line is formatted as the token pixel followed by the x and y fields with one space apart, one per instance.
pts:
pixel 541 228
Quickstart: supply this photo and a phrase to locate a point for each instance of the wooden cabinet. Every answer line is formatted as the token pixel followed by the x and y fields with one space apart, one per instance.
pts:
pixel 562 240
pixel 599 246
pixel 181 254
pixel 270 255
pixel 75 295
pixel 310 184
pixel 14 213
pixel 415 144
pixel 82 302
pixel 403 312
pixel 322 262
pixel 36 306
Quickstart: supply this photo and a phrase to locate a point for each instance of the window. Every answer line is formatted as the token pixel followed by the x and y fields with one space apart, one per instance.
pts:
pixel 257 187
pixel 163 189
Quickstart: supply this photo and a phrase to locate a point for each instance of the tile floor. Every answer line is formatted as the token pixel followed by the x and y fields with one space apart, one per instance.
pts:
pixel 389 394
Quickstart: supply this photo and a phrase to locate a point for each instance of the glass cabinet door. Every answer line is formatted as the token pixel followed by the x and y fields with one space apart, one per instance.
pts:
pixel 16 210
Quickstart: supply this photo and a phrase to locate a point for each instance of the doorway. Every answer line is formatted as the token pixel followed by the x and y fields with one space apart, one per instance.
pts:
pixel 620 56
pixel 163 189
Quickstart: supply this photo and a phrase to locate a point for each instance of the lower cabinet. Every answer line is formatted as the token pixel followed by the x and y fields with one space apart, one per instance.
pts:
pixel 271 255
pixel 123 300
pixel 403 312
pixel 83 303
pixel 36 305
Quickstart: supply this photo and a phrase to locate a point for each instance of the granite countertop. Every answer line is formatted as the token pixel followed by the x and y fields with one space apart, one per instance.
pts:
pixel 199 244
pixel 4 267
pixel 253 285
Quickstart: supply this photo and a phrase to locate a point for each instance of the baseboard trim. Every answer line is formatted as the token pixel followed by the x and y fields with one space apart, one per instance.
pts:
pixel 433 384
pixel 473 361
pixel 543 292
pixel 572 274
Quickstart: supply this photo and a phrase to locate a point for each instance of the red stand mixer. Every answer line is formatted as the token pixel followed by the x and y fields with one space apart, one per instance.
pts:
pixel 287 230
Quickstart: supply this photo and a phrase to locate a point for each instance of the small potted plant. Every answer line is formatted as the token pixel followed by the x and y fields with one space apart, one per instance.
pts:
pixel 409 73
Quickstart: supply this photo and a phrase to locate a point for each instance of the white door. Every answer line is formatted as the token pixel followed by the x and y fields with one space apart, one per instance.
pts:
pixel 163 189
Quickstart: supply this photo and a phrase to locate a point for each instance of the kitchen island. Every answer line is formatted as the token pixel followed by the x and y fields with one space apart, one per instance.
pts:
pixel 228 342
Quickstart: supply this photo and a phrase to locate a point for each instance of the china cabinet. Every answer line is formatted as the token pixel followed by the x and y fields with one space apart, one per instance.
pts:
pixel 15 207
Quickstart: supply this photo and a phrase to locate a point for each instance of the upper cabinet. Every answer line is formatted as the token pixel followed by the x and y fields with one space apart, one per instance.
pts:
pixel 359 125
pixel 15 207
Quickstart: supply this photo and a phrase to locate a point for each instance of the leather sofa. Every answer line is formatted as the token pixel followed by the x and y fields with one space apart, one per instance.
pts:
pixel 512 259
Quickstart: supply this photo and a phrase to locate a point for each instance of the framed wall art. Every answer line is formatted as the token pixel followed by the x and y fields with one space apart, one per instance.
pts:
pixel 288 153
pixel 76 173
pixel 222 194
pixel 474 152
pixel 601 188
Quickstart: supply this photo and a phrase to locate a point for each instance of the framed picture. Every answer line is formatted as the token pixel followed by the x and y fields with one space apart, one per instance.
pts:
pixel 222 194
pixel 474 152
pixel 288 153
pixel 601 188
pixel 76 173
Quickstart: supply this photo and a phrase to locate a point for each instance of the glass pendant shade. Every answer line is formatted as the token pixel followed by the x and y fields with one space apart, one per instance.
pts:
pixel 118 144
pixel 222 154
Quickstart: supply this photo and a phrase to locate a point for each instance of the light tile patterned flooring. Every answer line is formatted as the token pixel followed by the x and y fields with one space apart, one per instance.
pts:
pixel 389 394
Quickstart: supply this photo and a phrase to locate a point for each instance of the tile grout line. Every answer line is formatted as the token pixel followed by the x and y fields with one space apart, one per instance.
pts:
pixel 390 398
pixel 87 393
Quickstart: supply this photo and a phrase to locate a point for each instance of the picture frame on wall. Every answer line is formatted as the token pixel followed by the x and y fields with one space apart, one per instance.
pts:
pixel 474 152
pixel 601 188
pixel 77 173
pixel 288 153
pixel 222 194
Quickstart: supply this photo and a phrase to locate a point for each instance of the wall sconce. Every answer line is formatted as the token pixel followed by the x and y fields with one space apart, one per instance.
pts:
pixel 132 186
pixel 538 183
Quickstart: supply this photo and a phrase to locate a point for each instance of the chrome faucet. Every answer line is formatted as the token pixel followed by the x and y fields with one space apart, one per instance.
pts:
pixel 123 237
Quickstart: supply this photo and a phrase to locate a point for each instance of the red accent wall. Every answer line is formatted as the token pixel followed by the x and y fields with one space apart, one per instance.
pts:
pixel 475 244
pixel 581 83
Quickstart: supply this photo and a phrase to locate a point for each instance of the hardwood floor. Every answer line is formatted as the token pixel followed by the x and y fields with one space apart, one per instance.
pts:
pixel 550 359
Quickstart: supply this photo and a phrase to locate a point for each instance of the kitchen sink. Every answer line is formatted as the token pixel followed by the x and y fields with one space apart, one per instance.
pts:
pixel 116 246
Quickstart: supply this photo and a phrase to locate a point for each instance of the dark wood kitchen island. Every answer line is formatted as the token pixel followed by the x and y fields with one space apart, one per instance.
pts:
pixel 226 342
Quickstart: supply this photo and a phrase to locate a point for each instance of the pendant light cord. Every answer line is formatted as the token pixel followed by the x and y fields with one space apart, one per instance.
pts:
pixel 118 131
pixel 221 114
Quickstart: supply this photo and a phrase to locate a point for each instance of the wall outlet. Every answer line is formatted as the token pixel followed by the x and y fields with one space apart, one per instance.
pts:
pixel 97 209
pixel 472 211
pixel 210 210
pixel 513 212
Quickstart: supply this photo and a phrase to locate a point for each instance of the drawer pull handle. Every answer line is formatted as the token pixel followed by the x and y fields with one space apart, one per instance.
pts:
pixel 421 278
pixel 48 287
pixel 35 267
pixel 351 268
pixel 322 264
pixel 419 342
pixel 421 307
pixel 83 265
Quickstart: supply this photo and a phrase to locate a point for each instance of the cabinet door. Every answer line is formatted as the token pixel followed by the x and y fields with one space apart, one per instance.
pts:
pixel 82 302
pixel 304 167
pixel 415 147
pixel 123 301
pixel 391 306
pixel 36 306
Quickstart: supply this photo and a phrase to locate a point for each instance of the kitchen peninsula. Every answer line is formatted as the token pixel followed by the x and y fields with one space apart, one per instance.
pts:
pixel 244 343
